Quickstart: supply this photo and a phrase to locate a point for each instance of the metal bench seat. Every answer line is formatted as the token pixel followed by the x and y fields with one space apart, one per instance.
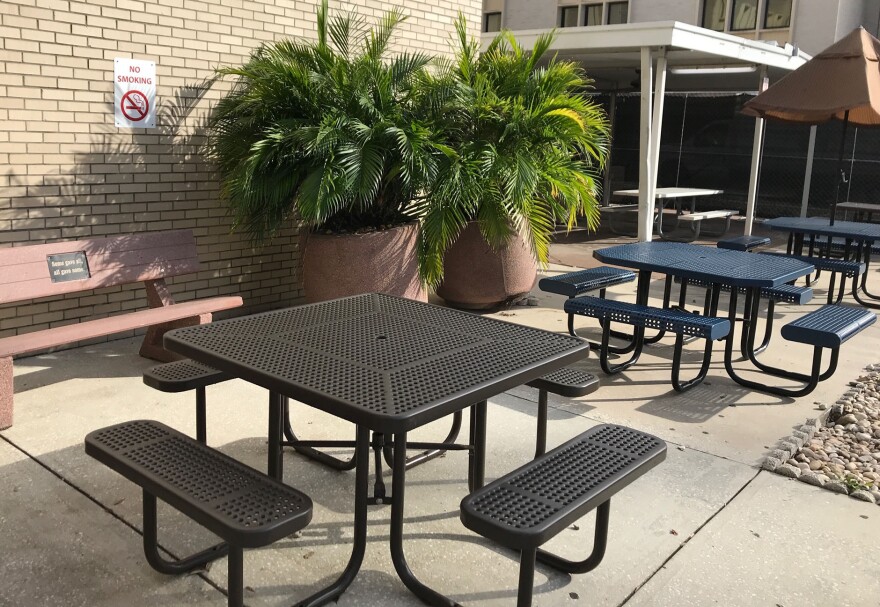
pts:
pixel 242 506
pixel 526 508
pixel 783 293
pixel 743 243
pixel 680 322
pixel 666 319
pixel 840 266
pixel 569 382
pixel 838 245
pixel 845 268
pixel 573 284
pixel 829 326
pixel 184 375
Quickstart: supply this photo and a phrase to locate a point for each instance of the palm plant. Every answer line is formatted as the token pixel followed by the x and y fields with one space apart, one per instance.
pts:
pixel 529 146
pixel 332 131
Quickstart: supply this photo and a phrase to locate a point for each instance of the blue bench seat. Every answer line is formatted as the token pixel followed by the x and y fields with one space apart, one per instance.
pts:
pixel 680 322
pixel 828 326
pixel 743 243
pixel 575 284
pixel 844 267
pixel 824 328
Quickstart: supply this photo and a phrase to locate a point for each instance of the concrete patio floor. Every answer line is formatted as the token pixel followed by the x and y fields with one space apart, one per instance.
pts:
pixel 705 527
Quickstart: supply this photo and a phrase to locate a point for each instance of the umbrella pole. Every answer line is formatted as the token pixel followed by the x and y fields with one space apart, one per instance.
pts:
pixel 841 175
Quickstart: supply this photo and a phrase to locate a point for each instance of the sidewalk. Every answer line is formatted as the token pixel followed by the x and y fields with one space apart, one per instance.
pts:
pixel 705 527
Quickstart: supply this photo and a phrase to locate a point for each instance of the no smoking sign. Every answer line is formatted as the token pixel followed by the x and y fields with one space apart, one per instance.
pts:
pixel 135 85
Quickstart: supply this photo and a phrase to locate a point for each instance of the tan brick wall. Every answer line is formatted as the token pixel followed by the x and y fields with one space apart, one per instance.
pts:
pixel 69 173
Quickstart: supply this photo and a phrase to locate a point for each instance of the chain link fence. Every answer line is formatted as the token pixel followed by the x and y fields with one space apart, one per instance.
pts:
pixel 706 142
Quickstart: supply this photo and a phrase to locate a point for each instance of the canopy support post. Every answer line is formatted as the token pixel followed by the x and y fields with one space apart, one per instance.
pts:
pixel 657 126
pixel 757 153
pixel 646 203
pixel 808 176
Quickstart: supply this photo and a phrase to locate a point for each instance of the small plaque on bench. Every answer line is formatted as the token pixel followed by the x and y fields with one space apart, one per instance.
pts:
pixel 68 266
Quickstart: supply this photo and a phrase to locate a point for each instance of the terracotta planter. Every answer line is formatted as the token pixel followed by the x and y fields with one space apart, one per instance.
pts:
pixel 475 277
pixel 348 264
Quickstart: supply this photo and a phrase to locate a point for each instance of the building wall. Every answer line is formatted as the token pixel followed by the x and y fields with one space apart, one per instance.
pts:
pixel 815 26
pixel 817 23
pixel 686 11
pixel 529 14
pixel 69 173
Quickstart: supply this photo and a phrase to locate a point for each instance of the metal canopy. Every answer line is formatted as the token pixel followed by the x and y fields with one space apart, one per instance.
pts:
pixel 643 55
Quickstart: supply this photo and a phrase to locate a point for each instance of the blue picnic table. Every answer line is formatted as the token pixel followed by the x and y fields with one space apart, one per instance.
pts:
pixel 858 241
pixel 719 268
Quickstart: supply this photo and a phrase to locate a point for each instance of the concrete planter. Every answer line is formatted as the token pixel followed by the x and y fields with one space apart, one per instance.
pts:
pixel 338 265
pixel 475 277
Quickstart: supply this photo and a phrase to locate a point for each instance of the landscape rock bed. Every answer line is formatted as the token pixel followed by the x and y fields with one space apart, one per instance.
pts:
pixel 840 450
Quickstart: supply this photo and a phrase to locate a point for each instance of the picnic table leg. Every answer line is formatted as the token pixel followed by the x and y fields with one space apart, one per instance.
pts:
pixel 308 449
pixel 331 593
pixel 750 326
pixel 667 296
pixel 275 465
pixel 811 381
pixel 431 450
pixel 398 482
pixel 477 454
pixel 860 283
pixel 677 384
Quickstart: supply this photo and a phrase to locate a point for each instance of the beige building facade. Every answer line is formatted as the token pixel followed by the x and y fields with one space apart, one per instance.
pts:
pixel 69 172
pixel 810 25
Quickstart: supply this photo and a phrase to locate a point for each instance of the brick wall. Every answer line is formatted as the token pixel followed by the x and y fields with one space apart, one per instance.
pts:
pixel 69 173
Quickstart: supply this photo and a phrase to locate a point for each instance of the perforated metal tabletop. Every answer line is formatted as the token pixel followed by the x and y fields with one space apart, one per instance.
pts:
pixel 710 264
pixel 388 363
pixel 821 226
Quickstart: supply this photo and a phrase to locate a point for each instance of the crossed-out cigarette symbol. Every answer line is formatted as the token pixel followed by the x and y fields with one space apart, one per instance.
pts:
pixel 135 106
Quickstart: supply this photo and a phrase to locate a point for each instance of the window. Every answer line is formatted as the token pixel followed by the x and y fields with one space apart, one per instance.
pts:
pixel 714 12
pixel 778 14
pixel 568 16
pixel 593 14
pixel 744 15
pixel 618 12
pixel 492 22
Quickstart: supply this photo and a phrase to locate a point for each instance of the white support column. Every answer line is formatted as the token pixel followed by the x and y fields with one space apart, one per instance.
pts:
pixel 646 204
pixel 808 175
pixel 657 126
pixel 757 152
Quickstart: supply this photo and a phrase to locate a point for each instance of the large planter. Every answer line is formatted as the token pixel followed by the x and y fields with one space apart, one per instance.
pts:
pixel 476 277
pixel 338 265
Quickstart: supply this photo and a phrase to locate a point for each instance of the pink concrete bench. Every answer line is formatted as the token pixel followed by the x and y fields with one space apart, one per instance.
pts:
pixel 47 270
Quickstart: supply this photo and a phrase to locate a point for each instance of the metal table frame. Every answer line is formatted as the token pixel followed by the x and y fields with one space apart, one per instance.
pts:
pixel 858 238
pixel 389 365
pixel 717 267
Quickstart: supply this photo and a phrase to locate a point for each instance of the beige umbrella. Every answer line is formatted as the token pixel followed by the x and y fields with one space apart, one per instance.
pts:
pixel 841 82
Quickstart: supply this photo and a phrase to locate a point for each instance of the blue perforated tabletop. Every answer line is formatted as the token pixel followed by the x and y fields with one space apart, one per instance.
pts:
pixel 388 363
pixel 821 226
pixel 710 264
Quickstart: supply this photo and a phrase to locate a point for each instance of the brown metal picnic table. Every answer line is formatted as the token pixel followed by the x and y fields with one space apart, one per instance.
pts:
pixel 387 364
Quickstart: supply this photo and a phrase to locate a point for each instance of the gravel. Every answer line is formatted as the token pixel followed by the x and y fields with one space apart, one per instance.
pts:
pixel 840 451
